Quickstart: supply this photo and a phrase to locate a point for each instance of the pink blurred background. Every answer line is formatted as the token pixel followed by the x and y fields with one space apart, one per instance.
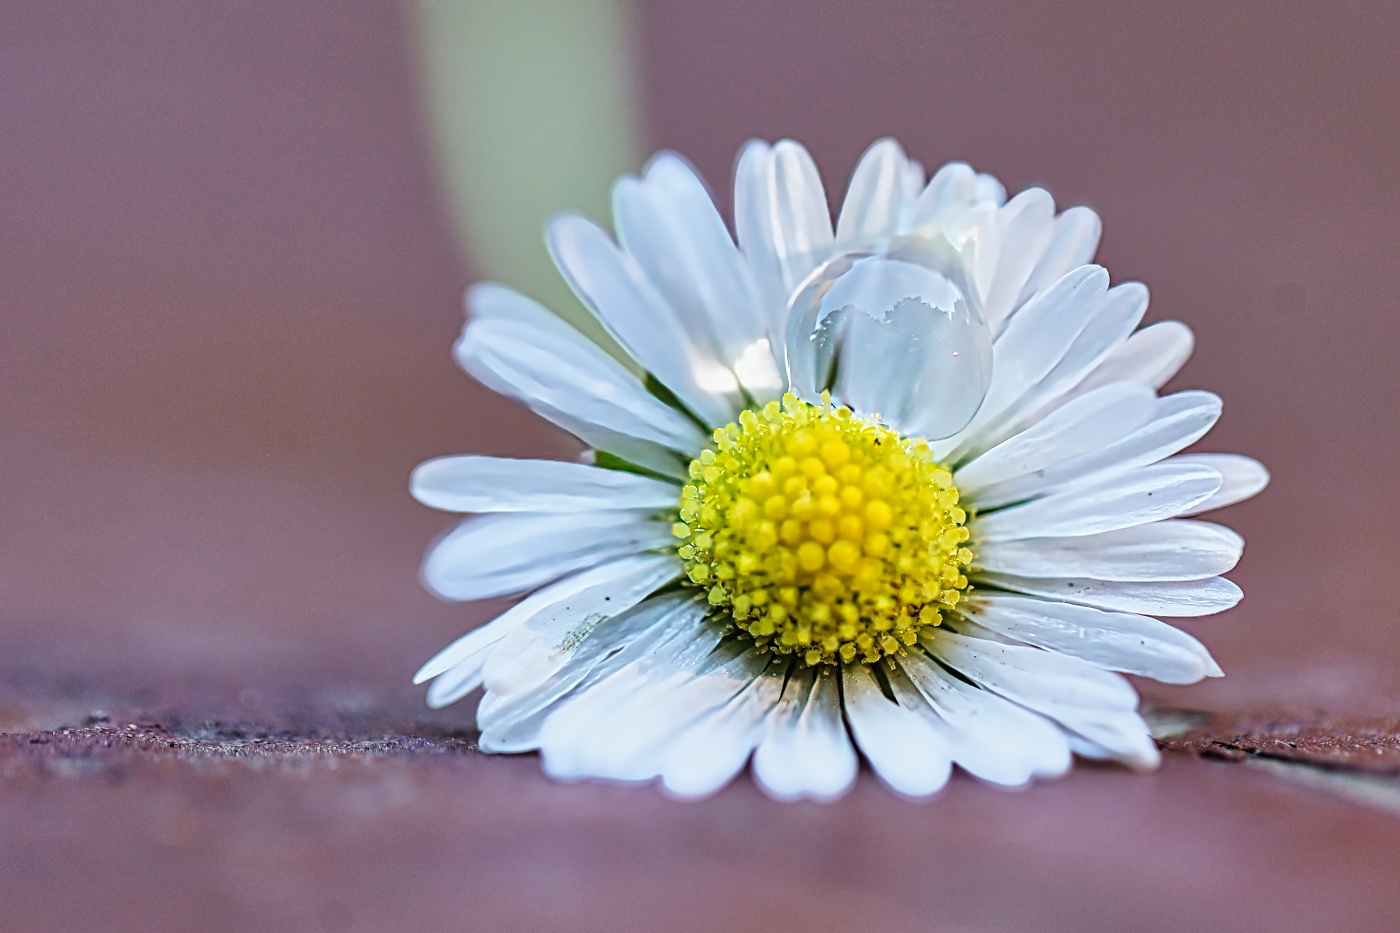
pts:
pixel 229 293
pixel 228 290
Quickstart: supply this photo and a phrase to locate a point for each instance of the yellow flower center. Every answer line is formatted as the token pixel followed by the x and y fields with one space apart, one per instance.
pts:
pixel 824 535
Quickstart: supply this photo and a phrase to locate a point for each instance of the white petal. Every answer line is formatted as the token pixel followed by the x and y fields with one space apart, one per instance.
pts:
pixel 622 734
pixel 806 752
pixel 1110 325
pixel 494 484
pixel 991 738
pixel 781 219
pixel 1087 749
pixel 1082 698
pixel 1075 240
pixel 637 452
pixel 456 682
pixel 875 197
pixel 1025 674
pixel 610 283
pixel 1032 343
pixel 562 616
pixel 493 555
pixel 668 223
pixel 581 732
pixel 1244 477
pixel 988 188
pixel 1145 495
pixel 558 371
pixel 477 642
pixel 1160 551
pixel 1087 424
pixel 708 755
pixel 1116 641
pixel 799 216
pixel 753 229
pixel 1180 420
pixel 494 301
pixel 1122 736
pixel 1109 320
pixel 1151 356
pixel 953 188
pixel 668 721
pixel 914 179
pixel 511 722
pixel 1026 225
pixel 654 241
pixel 547 600
pixel 905 751
pixel 1179 598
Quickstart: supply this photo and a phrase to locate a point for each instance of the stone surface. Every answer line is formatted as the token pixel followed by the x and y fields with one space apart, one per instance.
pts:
pixel 1371 746
pixel 380 819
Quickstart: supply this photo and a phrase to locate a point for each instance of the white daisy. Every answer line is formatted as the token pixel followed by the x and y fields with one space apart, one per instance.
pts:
pixel 904 485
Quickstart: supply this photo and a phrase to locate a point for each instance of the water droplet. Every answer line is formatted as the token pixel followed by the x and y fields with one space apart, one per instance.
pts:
pixel 897 334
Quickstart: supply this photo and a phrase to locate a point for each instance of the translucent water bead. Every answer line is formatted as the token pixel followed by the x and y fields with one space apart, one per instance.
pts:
pixel 898 335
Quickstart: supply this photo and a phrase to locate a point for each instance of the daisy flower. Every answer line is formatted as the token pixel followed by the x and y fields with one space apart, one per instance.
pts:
pixel 903 484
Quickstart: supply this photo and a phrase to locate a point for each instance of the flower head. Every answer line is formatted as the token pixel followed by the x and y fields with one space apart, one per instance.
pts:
pixel 903 484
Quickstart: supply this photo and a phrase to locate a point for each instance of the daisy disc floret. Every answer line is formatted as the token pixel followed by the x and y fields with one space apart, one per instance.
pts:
pixel 824 535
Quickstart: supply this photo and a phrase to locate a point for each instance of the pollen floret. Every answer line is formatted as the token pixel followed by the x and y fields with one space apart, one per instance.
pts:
pixel 823 535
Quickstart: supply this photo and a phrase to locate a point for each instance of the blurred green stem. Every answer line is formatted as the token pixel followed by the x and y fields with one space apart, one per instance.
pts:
pixel 533 110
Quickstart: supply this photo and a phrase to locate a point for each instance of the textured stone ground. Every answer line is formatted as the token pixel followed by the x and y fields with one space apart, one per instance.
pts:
pixel 360 817
pixel 1364 746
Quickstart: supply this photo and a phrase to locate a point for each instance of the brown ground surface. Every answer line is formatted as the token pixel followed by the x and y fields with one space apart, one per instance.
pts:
pixel 335 817
pixel 1358 746
pixel 227 293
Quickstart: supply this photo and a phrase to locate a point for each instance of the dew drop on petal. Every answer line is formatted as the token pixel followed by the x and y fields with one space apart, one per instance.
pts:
pixel 898 334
